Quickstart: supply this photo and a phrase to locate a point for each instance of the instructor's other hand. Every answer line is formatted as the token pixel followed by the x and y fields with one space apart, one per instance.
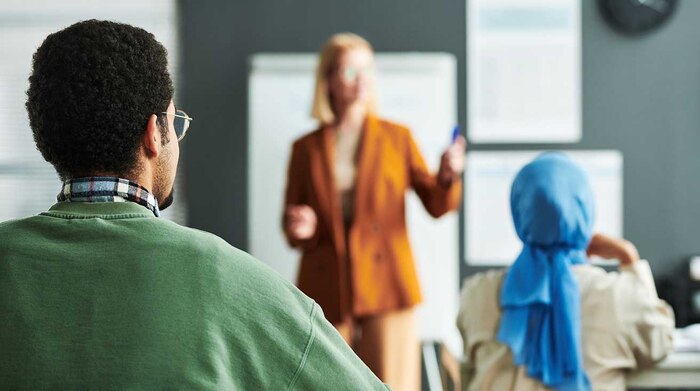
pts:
pixel 300 222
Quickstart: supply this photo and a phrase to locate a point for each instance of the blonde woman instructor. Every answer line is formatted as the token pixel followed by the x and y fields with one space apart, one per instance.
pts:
pixel 345 211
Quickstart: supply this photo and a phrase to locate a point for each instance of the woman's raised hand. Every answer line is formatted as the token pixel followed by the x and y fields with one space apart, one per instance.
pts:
pixel 608 247
pixel 452 161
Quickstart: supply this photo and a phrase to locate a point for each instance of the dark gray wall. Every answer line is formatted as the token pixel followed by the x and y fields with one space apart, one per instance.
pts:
pixel 641 96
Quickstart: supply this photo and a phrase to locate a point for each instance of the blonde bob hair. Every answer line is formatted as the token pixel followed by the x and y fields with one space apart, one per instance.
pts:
pixel 322 108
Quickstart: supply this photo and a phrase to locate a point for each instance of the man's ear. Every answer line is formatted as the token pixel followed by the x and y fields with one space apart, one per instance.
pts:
pixel 151 137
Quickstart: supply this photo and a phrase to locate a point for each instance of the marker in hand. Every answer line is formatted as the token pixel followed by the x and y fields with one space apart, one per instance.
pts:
pixel 455 134
pixel 452 160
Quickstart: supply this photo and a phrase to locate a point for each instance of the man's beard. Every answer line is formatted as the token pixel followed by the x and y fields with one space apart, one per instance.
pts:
pixel 161 181
pixel 168 200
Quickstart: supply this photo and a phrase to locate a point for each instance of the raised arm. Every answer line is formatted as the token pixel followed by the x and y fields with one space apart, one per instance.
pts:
pixel 648 322
pixel 442 192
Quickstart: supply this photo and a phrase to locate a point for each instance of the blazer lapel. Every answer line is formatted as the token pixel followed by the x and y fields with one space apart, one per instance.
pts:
pixel 326 186
pixel 367 167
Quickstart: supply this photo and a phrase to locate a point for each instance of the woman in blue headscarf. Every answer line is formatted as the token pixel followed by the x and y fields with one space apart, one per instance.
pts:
pixel 552 320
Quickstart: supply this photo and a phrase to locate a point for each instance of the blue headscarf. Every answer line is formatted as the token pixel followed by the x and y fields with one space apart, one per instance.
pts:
pixel 552 206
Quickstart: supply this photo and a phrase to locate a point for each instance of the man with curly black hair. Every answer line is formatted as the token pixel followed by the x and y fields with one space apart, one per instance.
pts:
pixel 98 292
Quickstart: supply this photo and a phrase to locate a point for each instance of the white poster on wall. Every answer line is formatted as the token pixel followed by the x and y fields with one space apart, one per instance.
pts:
pixel 490 237
pixel 524 71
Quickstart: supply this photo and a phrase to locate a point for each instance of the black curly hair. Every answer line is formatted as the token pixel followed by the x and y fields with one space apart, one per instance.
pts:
pixel 93 87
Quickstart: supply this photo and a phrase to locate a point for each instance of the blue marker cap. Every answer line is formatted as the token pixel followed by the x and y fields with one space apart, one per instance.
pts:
pixel 455 133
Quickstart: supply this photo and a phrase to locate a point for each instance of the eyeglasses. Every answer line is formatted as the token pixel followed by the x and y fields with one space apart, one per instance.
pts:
pixel 182 123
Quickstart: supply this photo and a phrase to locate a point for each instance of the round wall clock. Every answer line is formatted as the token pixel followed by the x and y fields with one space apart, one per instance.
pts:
pixel 636 17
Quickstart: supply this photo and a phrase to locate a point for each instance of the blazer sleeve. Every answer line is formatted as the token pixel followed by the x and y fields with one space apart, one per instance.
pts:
pixel 648 321
pixel 298 185
pixel 436 198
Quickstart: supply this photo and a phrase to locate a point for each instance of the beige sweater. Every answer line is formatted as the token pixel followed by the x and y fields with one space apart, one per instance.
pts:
pixel 624 326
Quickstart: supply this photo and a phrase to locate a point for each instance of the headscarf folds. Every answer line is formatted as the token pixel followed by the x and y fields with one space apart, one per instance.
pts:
pixel 552 207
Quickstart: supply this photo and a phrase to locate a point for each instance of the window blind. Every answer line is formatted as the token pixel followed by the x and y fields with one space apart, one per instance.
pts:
pixel 28 184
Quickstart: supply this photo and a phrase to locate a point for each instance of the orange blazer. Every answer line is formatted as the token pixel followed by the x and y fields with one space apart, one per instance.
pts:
pixel 378 273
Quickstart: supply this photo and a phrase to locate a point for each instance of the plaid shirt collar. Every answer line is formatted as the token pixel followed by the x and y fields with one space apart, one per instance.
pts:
pixel 107 189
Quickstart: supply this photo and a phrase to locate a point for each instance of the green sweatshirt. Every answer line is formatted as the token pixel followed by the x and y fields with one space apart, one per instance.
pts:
pixel 107 296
